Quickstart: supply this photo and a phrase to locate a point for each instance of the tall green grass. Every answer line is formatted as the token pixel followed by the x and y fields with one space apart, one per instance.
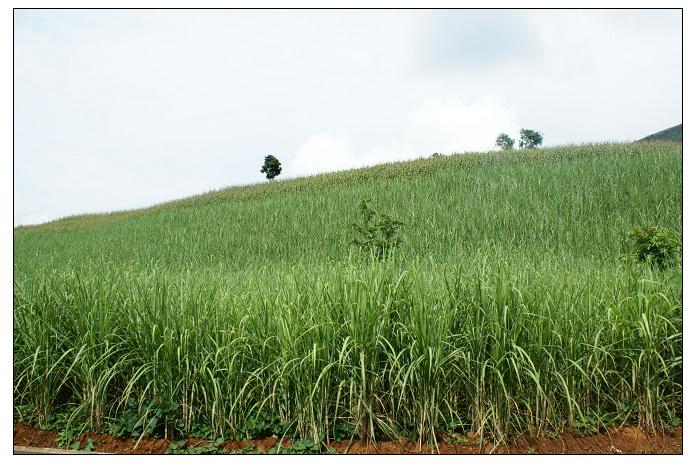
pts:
pixel 508 308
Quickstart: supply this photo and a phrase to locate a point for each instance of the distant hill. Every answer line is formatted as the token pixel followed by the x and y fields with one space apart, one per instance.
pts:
pixel 671 134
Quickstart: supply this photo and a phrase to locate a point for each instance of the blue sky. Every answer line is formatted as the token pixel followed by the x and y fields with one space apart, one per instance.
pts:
pixel 123 109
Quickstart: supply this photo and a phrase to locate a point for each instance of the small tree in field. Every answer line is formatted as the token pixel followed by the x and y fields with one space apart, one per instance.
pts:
pixel 504 142
pixel 530 138
pixel 271 167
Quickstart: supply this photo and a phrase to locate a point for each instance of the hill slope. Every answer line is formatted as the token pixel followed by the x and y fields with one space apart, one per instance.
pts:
pixel 521 201
pixel 246 312
pixel 671 134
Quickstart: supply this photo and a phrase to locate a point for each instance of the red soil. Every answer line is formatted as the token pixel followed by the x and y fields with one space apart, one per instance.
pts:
pixel 620 441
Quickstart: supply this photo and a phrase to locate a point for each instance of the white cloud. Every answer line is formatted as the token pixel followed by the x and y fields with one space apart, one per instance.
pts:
pixel 438 124
pixel 448 124
pixel 323 152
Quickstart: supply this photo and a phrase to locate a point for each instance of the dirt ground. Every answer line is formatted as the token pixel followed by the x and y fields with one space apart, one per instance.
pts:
pixel 627 440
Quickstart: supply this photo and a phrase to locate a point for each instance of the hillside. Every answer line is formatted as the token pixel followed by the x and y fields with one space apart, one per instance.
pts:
pixel 671 134
pixel 511 306
pixel 469 201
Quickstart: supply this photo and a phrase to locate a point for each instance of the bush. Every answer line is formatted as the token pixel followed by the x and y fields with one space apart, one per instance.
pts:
pixel 655 245
pixel 377 233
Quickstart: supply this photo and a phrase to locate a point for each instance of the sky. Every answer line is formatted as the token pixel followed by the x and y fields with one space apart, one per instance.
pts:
pixel 119 109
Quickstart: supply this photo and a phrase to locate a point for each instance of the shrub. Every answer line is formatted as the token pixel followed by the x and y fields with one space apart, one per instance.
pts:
pixel 656 245
pixel 377 233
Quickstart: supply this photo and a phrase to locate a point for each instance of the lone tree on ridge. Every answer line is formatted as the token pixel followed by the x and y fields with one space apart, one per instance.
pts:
pixel 271 167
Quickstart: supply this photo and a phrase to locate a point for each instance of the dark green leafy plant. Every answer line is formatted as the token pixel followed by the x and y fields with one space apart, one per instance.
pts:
pixel 25 413
pixel 127 423
pixel 262 424
pixel 342 431
pixel 181 447
pixel 656 245
pixel 163 420
pixel 157 418
pixel 376 233
pixel 177 448
pixel 202 431
pixel 585 425
pixel 301 447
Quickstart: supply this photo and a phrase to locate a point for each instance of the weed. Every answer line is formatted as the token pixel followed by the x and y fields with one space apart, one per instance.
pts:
pixel 301 447
pixel 261 424
pixel 127 424
pixel 342 431
pixel 376 233
pixel 180 447
pixel 586 425
pixel 655 245
pixel 158 417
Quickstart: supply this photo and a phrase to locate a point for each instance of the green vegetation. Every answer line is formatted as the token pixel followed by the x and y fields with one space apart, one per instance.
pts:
pixel 271 167
pixel 504 142
pixel 671 134
pixel 530 139
pixel 181 447
pixel 376 234
pixel 655 245
pixel 88 446
pixel 247 312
